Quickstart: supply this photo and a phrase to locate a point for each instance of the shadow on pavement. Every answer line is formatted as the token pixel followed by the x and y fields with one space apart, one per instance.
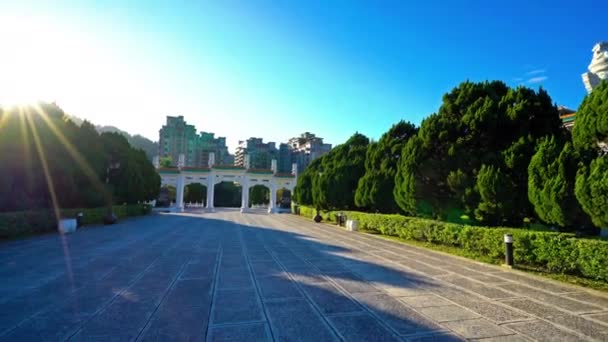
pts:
pixel 190 277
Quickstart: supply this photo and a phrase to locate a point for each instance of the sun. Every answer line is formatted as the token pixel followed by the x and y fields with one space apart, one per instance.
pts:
pixel 36 61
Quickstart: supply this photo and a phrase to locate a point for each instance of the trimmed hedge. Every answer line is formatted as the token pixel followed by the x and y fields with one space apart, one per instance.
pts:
pixel 21 223
pixel 554 252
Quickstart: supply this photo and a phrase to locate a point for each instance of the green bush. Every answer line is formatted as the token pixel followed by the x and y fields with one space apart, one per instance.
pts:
pixel 22 223
pixel 554 252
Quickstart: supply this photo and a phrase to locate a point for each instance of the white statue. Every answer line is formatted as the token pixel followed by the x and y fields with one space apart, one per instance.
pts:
pixel 598 69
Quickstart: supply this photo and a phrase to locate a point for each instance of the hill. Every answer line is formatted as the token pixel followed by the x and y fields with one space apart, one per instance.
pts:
pixel 136 141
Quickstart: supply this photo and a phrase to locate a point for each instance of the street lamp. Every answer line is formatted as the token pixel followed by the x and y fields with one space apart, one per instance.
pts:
pixel 110 218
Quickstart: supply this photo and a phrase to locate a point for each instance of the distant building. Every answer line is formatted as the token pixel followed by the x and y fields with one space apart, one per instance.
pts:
pixel 284 159
pixel 598 69
pixel 306 148
pixel 567 116
pixel 178 137
pixel 207 143
pixel 260 153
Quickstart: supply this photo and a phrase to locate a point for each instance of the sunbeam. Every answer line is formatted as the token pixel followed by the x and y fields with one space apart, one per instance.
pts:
pixel 76 156
pixel 25 141
pixel 45 167
pixel 51 186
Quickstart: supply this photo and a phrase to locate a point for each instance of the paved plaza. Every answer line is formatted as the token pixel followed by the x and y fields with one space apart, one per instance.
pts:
pixel 227 276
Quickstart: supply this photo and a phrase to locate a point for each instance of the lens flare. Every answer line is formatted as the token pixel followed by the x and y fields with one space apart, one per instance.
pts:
pixel 76 156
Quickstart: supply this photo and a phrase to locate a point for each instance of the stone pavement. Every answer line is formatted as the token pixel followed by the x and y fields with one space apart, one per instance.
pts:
pixel 226 276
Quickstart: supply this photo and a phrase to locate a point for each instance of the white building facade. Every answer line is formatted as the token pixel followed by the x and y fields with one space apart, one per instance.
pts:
pixel 214 174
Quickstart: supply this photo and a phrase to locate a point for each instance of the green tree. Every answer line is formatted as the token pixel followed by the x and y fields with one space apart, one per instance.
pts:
pixel 166 162
pixel 375 188
pixel 259 194
pixel 334 185
pixel 494 190
pixel 551 180
pixel 195 193
pixel 304 186
pixel 590 136
pixel 592 190
pixel 591 125
pixel 227 194
pixel 478 124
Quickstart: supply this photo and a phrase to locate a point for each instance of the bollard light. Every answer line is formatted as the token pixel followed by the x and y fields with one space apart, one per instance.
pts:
pixel 509 250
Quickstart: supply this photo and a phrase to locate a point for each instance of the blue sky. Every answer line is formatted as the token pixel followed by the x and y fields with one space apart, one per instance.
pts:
pixel 275 69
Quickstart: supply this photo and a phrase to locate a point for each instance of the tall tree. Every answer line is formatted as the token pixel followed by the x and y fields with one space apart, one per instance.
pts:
pixel 335 184
pixel 591 127
pixel 590 137
pixel 259 194
pixel 195 193
pixel 592 190
pixel 49 162
pixel 478 124
pixel 551 180
pixel 304 185
pixel 375 188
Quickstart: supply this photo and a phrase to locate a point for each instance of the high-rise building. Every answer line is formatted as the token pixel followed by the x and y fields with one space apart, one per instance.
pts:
pixel 178 137
pixel 284 159
pixel 306 148
pixel 260 153
pixel 207 143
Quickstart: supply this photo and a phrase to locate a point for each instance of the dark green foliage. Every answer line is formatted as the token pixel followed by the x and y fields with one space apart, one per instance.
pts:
pixel 23 223
pixel 166 196
pixel 375 188
pixel 47 161
pixel 551 179
pixel 303 189
pixel 590 136
pixel 406 188
pixel 495 190
pixel 227 194
pixel 135 180
pixel 166 162
pixel 591 124
pixel 478 124
pixel 331 181
pixel 554 252
pixel 195 193
pixel 592 190
pixel 259 194
pixel 334 185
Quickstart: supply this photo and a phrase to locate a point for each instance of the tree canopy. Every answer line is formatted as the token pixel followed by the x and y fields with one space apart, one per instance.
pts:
pixel 330 182
pixel 551 180
pixel 375 188
pixel 590 136
pixel 47 161
pixel 591 124
pixel 476 150
pixel 259 194
pixel 195 193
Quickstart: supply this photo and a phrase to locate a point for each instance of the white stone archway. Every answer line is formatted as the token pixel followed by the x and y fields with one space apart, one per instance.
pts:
pixel 182 176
